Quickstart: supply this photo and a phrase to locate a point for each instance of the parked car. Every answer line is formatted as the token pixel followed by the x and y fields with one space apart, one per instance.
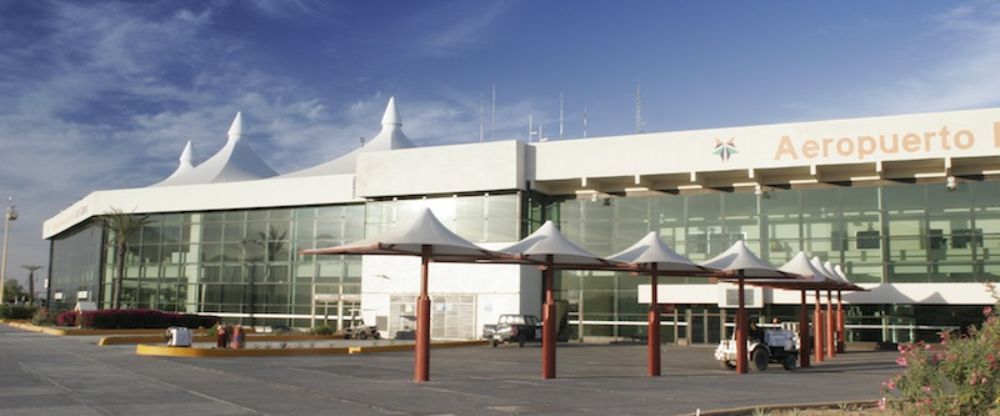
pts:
pixel 359 330
pixel 513 328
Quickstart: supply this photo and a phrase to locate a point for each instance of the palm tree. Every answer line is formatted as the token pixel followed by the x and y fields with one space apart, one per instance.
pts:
pixel 122 224
pixel 31 268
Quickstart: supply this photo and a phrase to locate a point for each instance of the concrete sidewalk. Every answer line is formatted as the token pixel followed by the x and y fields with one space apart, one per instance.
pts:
pixel 73 376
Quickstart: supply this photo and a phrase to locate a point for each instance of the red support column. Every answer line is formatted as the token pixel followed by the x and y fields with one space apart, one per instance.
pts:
pixel 841 326
pixel 549 324
pixel 818 329
pixel 830 348
pixel 653 334
pixel 422 364
pixel 803 333
pixel 741 332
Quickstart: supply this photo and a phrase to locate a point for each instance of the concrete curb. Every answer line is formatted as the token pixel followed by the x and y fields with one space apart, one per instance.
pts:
pixel 82 332
pixel 164 351
pixel 140 339
pixel 748 410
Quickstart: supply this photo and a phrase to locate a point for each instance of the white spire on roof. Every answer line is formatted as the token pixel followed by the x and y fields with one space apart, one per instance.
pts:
pixel 390 138
pixel 183 167
pixel 236 129
pixel 236 161
pixel 391 116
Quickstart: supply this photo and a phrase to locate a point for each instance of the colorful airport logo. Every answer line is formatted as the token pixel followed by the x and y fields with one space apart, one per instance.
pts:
pixel 725 150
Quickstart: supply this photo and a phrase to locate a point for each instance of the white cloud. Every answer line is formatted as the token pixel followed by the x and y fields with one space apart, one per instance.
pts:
pixel 109 94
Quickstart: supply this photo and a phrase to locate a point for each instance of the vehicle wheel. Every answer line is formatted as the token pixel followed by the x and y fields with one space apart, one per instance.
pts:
pixel 376 335
pixel 727 365
pixel 347 336
pixel 363 335
pixel 789 362
pixel 494 343
pixel 520 342
pixel 759 360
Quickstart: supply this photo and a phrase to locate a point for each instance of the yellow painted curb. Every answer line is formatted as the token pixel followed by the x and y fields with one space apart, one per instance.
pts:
pixel 164 351
pixel 119 340
pixel 738 411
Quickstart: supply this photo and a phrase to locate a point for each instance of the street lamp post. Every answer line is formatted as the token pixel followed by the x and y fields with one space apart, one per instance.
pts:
pixel 9 216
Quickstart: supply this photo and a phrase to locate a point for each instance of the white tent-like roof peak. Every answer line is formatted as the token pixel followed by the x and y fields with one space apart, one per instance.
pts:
pixel 548 241
pixel 236 129
pixel 235 161
pixel 391 137
pixel 391 116
pixel 187 156
pixel 652 250
pixel 739 258
pixel 801 265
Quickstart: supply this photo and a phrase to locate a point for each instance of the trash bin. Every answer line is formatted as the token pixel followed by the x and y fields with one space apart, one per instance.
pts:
pixel 179 337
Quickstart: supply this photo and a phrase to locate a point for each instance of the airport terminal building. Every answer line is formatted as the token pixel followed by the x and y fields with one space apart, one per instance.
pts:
pixel 910 205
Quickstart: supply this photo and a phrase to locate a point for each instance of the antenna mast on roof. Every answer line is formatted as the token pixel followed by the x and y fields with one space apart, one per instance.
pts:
pixel 493 122
pixel 585 116
pixel 531 128
pixel 561 119
pixel 638 108
pixel 482 120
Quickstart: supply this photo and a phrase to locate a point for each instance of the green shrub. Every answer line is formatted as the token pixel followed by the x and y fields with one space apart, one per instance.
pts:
pixel 42 317
pixel 323 330
pixel 16 311
pixel 959 376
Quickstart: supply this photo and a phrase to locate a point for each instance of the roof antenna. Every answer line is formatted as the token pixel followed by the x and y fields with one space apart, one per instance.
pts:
pixel 561 119
pixel 362 140
pixel 531 128
pixel 585 116
pixel 638 109
pixel 493 123
pixel 482 120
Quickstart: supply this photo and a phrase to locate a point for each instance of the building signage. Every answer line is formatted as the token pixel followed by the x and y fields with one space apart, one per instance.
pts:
pixel 874 146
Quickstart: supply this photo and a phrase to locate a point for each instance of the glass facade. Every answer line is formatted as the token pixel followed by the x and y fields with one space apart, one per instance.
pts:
pixel 881 234
pixel 75 266
pixel 243 263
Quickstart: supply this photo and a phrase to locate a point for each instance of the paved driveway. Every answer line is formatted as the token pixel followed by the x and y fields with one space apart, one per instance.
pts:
pixel 41 374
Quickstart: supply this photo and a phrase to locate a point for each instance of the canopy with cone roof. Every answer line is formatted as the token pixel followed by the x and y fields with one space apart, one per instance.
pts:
pixel 549 246
pixel 426 237
pixel 390 138
pixel 654 256
pixel 738 259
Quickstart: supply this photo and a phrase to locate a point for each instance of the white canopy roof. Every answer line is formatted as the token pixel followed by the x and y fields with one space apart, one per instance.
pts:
pixel 828 268
pixel 739 258
pixel 801 265
pixel 391 137
pixel 236 161
pixel 818 264
pixel 840 273
pixel 409 238
pixel 546 241
pixel 652 250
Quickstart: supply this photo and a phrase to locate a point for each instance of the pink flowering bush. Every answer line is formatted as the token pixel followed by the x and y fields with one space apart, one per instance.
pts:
pixel 959 376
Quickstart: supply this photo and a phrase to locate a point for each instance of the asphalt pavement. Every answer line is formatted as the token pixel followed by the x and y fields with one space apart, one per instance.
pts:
pixel 46 375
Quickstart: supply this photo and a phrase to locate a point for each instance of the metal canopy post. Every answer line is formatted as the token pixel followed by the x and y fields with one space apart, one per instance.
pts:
pixel 830 353
pixel 818 329
pixel 549 323
pixel 841 327
pixel 803 333
pixel 422 365
pixel 653 334
pixel 741 331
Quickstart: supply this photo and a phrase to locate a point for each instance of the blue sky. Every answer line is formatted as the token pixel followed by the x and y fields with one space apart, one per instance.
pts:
pixel 103 95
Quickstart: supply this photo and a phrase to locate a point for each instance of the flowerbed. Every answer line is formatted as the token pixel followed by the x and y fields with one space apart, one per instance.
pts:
pixel 133 319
